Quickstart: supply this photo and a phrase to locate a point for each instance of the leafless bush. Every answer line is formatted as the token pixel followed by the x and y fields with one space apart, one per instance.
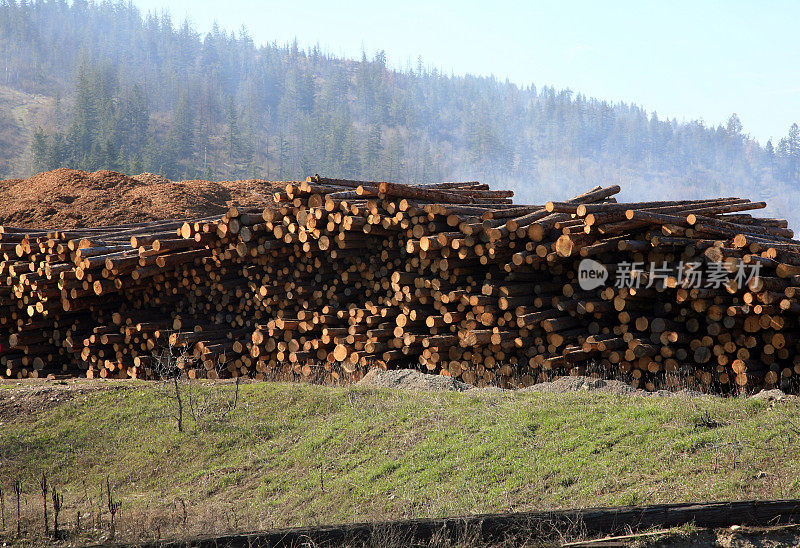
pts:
pixel 58 501
pixel 18 494
pixel 113 506
pixel 168 365
pixel 214 404
pixel 202 403
pixel 43 485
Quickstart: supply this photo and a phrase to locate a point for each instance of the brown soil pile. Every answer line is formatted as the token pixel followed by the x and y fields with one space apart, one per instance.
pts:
pixel 69 198
pixel 411 379
pixel 23 400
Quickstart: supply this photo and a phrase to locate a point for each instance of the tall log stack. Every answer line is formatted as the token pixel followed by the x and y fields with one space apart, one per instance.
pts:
pixel 339 276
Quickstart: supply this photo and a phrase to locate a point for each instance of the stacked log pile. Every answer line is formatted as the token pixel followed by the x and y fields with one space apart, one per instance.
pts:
pixel 339 276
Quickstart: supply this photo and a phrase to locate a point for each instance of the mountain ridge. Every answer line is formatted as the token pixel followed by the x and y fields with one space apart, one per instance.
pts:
pixel 132 93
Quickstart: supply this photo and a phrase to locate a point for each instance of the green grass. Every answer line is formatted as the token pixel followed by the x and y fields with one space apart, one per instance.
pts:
pixel 300 455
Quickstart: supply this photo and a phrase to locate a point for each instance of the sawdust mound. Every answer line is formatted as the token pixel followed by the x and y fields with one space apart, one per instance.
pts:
pixel 70 198
pixel 151 178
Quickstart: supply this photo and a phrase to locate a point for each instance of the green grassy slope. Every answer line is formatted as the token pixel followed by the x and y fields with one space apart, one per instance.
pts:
pixel 297 454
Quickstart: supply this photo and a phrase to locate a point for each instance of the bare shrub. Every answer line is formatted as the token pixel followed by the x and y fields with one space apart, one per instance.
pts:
pixel 205 403
pixel 168 365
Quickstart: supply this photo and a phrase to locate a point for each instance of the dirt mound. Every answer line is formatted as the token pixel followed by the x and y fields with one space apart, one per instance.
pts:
pixel 773 395
pixel 585 384
pixel 411 379
pixel 564 385
pixel 23 400
pixel 72 198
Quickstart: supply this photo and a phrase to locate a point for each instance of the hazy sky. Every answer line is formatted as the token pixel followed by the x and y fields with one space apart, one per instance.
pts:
pixel 685 59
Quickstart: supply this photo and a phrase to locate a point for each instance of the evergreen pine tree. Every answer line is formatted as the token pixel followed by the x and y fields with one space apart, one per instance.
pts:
pixel 40 150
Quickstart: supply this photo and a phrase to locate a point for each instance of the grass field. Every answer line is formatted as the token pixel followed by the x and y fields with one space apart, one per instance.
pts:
pixel 290 455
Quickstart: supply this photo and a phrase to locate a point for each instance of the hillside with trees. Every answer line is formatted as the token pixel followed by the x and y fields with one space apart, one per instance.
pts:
pixel 133 92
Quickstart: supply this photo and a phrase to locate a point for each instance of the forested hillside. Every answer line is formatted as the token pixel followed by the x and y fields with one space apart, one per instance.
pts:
pixel 135 92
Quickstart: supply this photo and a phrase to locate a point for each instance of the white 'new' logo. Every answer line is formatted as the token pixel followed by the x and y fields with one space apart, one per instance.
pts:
pixel 591 274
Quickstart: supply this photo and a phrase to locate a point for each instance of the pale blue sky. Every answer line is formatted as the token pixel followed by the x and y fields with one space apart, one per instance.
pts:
pixel 690 60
